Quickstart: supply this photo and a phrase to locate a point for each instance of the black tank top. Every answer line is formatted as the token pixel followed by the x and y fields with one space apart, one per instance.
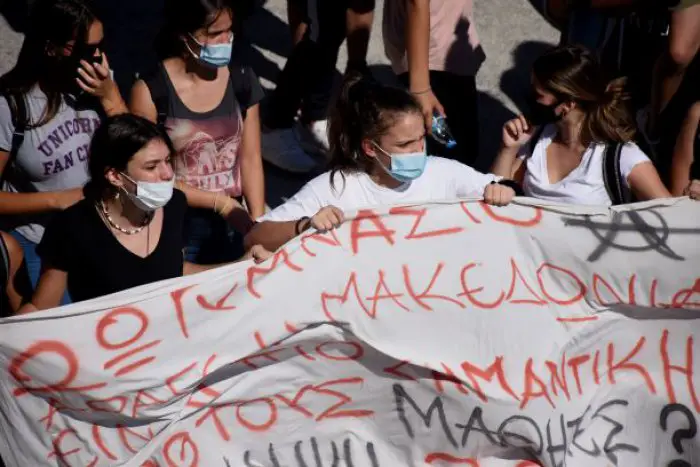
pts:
pixel 206 143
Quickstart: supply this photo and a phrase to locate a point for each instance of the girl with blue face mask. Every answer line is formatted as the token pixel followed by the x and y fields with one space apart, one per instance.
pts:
pixel 127 232
pixel 209 107
pixel 377 141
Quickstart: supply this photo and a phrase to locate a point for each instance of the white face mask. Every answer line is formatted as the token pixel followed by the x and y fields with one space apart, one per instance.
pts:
pixel 150 196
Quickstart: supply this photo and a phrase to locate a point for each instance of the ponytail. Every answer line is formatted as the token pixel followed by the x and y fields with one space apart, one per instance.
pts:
pixel 364 109
pixel 610 121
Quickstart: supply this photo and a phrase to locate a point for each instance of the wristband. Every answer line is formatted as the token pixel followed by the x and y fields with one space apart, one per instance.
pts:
pixel 216 199
pixel 297 226
pixel 418 93
pixel 225 207
pixel 515 186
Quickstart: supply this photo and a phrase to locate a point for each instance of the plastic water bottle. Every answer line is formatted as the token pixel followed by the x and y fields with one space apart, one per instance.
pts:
pixel 441 132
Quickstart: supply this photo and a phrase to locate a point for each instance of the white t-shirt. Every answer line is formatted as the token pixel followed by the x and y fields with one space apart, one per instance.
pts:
pixel 443 179
pixel 585 184
pixel 52 157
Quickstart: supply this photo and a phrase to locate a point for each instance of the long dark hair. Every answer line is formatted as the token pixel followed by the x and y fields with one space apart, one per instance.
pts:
pixel 364 109
pixel 573 73
pixel 52 24
pixel 183 17
pixel 113 145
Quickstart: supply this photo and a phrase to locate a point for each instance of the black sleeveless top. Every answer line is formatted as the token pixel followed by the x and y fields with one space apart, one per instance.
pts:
pixel 207 143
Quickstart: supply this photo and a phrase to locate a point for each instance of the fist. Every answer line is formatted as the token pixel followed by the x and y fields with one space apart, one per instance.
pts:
pixel 693 190
pixel 517 132
pixel 327 218
pixel 498 195
pixel 258 254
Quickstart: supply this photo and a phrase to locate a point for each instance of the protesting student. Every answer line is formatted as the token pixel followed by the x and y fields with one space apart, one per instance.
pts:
pixel 51 103
pixel 576 146
pixel 11 258
pixel 685 168
pixel 209 107
pixel 128 230
pixel 377 140
pixel 434 49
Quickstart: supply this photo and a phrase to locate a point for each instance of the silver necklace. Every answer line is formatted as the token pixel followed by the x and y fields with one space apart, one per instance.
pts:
pixel 116 226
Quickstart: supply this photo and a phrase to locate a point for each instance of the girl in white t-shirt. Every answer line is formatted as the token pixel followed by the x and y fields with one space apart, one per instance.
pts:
pixel 377 141
pixel 577 112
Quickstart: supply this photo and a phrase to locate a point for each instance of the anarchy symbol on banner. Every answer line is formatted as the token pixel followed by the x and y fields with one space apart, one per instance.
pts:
pixel 649 237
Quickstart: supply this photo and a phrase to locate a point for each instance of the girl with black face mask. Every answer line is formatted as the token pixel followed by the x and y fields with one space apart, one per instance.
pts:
pixel 558 151
pixel 51 102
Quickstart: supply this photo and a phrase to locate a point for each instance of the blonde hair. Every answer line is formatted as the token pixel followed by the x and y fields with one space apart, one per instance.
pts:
pixel 574 74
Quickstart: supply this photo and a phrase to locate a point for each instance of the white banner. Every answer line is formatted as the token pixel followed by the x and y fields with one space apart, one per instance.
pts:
pixel 443 334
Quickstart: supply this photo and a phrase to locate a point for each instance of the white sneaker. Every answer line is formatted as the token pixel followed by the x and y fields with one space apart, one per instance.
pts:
pixel 314 137
pixel 281 148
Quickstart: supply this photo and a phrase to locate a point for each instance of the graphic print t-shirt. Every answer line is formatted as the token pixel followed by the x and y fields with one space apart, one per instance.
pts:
pixel 53 157
pixel 208 143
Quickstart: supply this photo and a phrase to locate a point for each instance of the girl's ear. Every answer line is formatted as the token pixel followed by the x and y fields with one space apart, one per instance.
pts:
pixel 369 148
pixel 115 178
pixel 567 107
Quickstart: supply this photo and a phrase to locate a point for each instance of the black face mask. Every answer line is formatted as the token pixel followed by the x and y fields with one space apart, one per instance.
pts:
pixel 540 114
pixel 67 67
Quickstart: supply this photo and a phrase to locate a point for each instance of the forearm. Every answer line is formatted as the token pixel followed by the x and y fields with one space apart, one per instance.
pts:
pixel 683 155
pixel 114 107
pixel 49 291
pixel 417 44
pixel 28 203
pixel 201 199
pixel 682 162
pixel 505 160
pixel 272 235
pixel 253 181
pixel 113 103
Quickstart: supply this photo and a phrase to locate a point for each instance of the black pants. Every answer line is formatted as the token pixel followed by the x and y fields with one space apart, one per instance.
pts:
pixel 458 96
pixel 306 82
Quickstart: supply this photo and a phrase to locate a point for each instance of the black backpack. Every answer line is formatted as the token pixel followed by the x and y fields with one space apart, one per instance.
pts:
pixel 612 176
pixel 4 281
pixel 19 122
pixel 159 91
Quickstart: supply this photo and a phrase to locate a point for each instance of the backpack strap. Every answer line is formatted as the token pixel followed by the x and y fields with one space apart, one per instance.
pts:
pixel 4 264
pixel 19 122
pixel 612 176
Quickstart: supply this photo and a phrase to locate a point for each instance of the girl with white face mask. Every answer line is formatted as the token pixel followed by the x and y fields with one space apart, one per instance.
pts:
pixel 127 231
pixel 209 107
pixel 377 140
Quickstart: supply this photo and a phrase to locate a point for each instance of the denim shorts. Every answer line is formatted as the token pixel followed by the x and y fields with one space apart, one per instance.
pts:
pixel 209 239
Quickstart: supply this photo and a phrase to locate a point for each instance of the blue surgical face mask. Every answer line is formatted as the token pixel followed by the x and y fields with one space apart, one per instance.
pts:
pixel 216 55
pixel 405 166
